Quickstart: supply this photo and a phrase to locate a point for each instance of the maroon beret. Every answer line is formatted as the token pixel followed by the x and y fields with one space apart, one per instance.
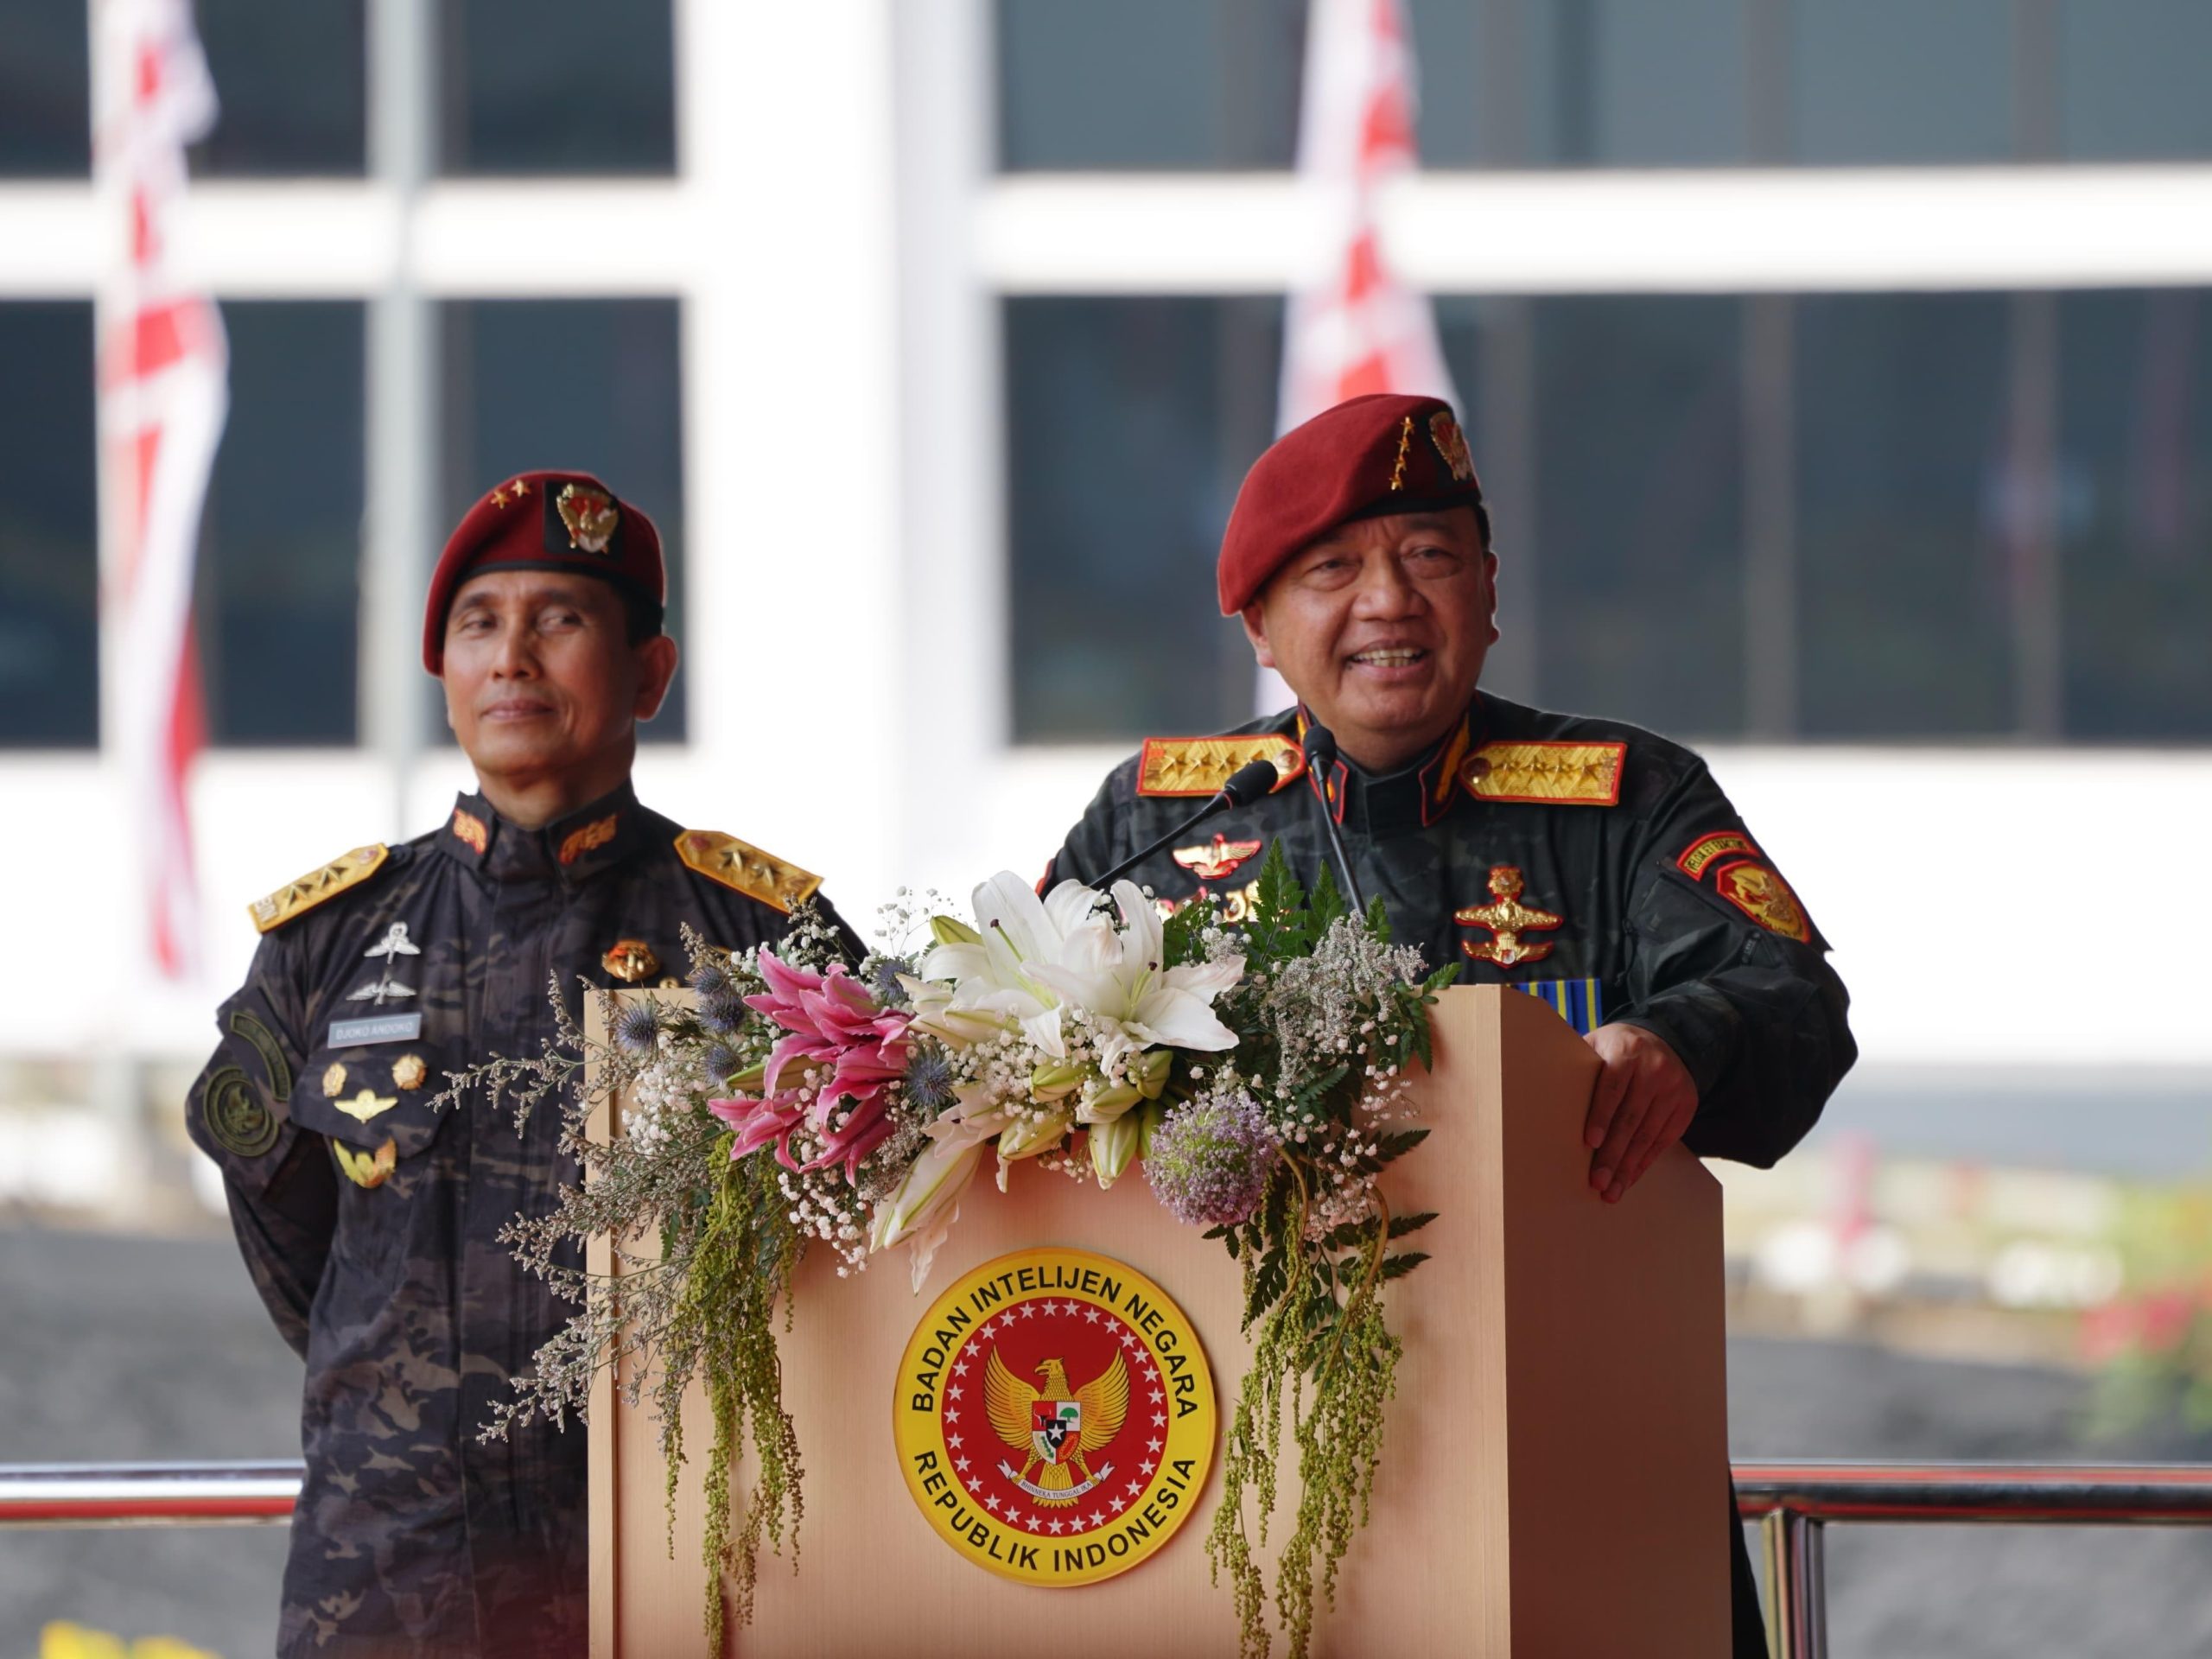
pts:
pixel 1382 453
pixel 545 521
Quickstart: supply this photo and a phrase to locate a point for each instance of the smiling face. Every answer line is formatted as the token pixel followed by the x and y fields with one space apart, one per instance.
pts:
pixel 545 690
pixel 1380 628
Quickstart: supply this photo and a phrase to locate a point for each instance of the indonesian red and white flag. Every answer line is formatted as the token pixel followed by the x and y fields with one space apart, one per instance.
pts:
pixel 1357 329
pixel 164 366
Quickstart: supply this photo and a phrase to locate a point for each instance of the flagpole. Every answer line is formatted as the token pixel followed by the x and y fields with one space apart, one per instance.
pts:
pixel 400 520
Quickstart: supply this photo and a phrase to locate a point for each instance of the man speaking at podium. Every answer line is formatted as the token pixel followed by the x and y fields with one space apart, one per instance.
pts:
pixel 370 1220
pixel 1586 861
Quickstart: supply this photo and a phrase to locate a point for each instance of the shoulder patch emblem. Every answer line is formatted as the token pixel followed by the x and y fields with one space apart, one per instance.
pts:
pixel 247 1024
pixel 1697 858
pixel 234 1116
pixel 1550 775
pixel 743 868
pixel 297 898
pixel 1200 765
pixel 1759 892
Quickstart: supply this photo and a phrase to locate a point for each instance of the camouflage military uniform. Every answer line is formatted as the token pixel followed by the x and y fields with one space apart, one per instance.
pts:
pixel 370 1221
pixel 1586 861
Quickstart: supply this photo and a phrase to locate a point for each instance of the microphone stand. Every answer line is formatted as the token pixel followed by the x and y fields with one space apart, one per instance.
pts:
pixel 1321 761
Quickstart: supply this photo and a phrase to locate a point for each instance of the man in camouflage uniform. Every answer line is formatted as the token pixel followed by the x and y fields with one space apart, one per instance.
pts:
pixel 1585 861
pixel 370 1221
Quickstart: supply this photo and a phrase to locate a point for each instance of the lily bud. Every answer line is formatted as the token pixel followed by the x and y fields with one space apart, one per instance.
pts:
pixel 1033 1135
pixel 934 1182
pixel 1049 1083
pixel 1107 1105
pixel 1154 1116
pixel 1112 1146
pixel 1150 1073
pixel 947 930
pixel 748 1081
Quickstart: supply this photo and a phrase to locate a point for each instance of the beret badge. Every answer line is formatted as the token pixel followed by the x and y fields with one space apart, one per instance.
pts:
pixel 590 515
pixel 1452 444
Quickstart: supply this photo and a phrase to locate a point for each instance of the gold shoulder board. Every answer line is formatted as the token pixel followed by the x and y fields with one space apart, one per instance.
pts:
pixel 742 867
pixel 297 898
pixel 1200 765
pixel 1560 774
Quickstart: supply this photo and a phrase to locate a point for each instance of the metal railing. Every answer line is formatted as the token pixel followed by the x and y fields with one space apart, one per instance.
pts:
pixel 1794 1502
pixel 148 1494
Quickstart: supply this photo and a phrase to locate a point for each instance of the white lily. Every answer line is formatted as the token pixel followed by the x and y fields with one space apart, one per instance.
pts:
pixel 936 1016
pixel 1117 977
pixel 997 978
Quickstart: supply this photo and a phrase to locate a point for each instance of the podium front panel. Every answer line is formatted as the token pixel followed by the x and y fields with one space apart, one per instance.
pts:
pixel 1554 1466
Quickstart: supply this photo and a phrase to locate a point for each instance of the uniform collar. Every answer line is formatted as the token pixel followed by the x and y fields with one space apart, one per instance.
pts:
pixel 571 848
pixel 1413 797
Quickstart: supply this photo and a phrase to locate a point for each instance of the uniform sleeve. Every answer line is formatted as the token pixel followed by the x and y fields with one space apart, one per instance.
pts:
pixel 1094 846
pixel 1726 965
pixel 278 1176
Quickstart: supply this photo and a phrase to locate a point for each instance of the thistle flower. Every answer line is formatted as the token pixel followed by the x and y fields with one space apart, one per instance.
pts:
pixel 1209 1162
pixel 883 980
pixel 637 1026
pixel 722 1062
pixel 721 1012
pixel 929 1078
pixel 711 979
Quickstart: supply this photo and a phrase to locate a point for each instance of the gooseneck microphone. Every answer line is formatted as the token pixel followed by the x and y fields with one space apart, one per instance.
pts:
pixel 1249 783
pixel 1321 760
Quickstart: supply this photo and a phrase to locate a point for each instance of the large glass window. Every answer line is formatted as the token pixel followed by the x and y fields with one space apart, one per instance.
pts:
pixel 1906 610
pixel 1149 83
pixel 595 385
pixel 1215 83
pixel 1635 548
pixel 2131 80
pixel 560 86
pixel 280 559
pixel 292 82
pixel 1130 423
pixel 46 124
pixel 2135 510
pixel 49 540
pixel 1876 82
pixel 1887 515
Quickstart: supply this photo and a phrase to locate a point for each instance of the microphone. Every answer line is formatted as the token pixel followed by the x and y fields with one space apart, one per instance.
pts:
pixel 1321 760
pixel 1249 783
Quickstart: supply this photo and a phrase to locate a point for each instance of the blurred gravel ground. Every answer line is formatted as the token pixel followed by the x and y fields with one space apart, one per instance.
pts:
pixel 113 1348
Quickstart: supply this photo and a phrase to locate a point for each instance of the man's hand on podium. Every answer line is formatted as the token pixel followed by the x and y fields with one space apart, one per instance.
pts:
pixel 1643 1104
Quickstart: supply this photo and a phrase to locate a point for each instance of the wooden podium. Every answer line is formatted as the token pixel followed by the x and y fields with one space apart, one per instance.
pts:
pixel 1553 1476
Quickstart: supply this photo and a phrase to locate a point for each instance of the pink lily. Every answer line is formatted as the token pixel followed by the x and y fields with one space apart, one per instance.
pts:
pixel 759 1123
pixel 830 1023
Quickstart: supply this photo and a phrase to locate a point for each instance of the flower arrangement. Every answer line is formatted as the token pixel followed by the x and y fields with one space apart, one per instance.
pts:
pixel 1260 1076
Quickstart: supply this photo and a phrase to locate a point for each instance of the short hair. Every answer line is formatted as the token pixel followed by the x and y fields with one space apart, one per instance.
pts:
pixel 644 617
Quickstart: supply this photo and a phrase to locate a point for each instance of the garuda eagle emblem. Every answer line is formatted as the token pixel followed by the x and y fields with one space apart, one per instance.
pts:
pixel 1055 1426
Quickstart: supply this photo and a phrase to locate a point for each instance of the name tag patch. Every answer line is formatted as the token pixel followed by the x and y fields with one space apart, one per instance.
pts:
pixel 381 1028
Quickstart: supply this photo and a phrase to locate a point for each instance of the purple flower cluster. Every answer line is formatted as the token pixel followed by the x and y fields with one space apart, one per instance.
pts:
pixel 1210 1160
